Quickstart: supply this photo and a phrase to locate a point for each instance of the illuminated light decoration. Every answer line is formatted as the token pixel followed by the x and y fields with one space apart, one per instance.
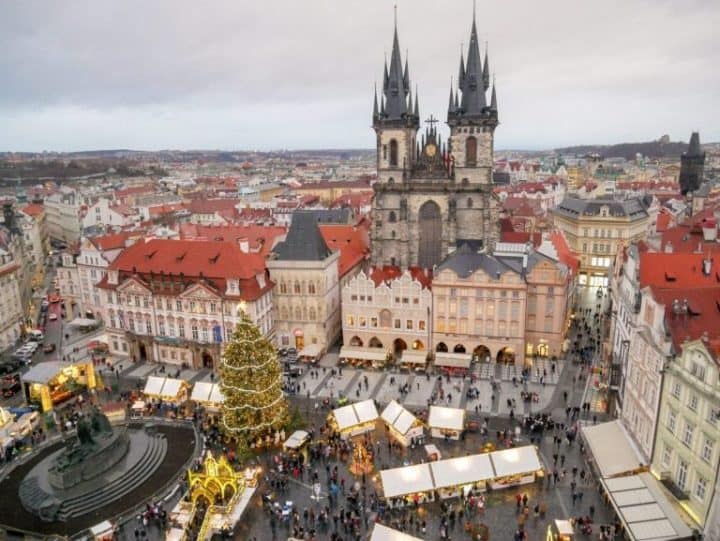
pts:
pixel 251 384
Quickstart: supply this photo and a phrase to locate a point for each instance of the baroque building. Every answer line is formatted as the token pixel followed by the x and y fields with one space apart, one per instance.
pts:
pixel 433 196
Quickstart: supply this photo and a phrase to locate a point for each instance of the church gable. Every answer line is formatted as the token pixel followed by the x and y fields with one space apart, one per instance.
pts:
pixel 199 292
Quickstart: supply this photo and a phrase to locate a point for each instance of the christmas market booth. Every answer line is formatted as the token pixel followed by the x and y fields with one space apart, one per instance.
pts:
pixel 174 391
pixel 364 357
pixel 402 425
pixel 310 353
pixel 297 441
pixel 560 530
pixel 208 395
pixel 383 533
pixel 462 475
pixel 454 364
pixel 516 466
pixel 354 419
pixel 446 422
pixel 414 360
pixel 408 485
pixel 51 383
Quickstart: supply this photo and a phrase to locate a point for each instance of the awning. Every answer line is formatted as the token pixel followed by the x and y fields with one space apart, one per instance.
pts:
pixel 453 360
pixel 296 439
pixel 216 396
pixel 411 356
pixel 163 387
pixel 154 385
pixel 446 418
pixel 311 350
pixel 84 322
pixel 398 417
pixel 365 354
pixel 462 470
pixel 43 372
pixel 644 510
pixel 345 417
pixel 611 447
pixel 515 460
pixel 406 480
pixel 366 411
pixel 201 391
pixel 355 414
pixel 383 533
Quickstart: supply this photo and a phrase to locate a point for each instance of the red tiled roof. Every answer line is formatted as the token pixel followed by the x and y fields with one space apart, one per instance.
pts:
pixel 677 271
pixel 123 209
pixel 703 315
pixel 211 206
pixel 33 209
pixel 261 238
pixel 380 275
pixel 134 190
pixel 663 220
pixel 112 241
pixel 565 253
pixel 353 241
pixel 521 237
pixel 159 210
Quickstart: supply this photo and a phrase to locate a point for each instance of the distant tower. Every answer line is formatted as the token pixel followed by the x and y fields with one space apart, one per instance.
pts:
pixel 692 166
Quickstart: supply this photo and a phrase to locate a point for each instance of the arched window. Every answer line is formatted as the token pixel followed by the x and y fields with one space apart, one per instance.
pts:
pixel 298 313
pixel 311 314
pixel 296 287
pixel 469 203
pixel 470 151
pixel 392 233
pixel 283 313
pixel 392 217
pixel 391 180
pixel 393 153
pixel 311 288
pixel 283 287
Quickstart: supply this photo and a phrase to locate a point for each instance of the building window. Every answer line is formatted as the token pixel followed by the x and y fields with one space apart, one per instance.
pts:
pixel 137 301
pixel 374 322
pixel 398 324
pixel 131 323
pixel 161 328
pixel 204 331
pixel 124 347
pixel 148 326
pixel 393 153
pixel 146 302
pixel 362 322
pixel 181 328
pixel 296 287
pixel 311 288
pixel 283 288
pixel 470 152
pixel 178 305
pixel 693 403
pixel 171 327
pixel 213 307
pixel 671 421
pixel 666 455
pixel 701 488
pixel 707 451
pixel 698 371
pixel 676 388
pixel 392 217
pixel 312 315
pixel 409 324
pixel 688 434
pixel 421 325
pixel 350 321
pixel 194 331
pixel 682 474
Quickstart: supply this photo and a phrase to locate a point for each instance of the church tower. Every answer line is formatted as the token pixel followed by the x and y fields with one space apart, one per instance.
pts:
pixel 692 166
pixel 431 196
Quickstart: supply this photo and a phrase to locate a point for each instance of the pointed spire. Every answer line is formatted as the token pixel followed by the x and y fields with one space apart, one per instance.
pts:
pixel 406 73
pixel 382 105
pixel 451 101
pixel 417 105
pixel 486 69
pixel 493 98
pixel 397 88
pixel 461 71
pixel 386 77
pixel 472 86
pixel 410 101
pixel 375 103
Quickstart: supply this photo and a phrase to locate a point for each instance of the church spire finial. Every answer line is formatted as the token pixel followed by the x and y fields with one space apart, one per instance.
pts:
pixel 493 97
pixel 417 106
pixel 375 104
pixel 486 69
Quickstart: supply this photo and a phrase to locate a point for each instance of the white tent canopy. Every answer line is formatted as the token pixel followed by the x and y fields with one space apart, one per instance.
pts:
pixel 515 460
pixel 383 533
pixel 446 418
pixel 163 387
pixel 414 356
pixel 84 322
pixel 461 470
pixel 366 354
pixel 296 439
pixel 398 417
pixel 611 447
pixel 311 350
pixel 644 510
pixel 406 480
pixel 355 414
pixel 154 385
pixel 453 360
pixel 204 391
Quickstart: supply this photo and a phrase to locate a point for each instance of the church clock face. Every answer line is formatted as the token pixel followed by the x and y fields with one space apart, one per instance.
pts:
pixel 430 150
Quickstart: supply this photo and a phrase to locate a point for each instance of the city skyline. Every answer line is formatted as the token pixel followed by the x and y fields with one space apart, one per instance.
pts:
pixel 96 76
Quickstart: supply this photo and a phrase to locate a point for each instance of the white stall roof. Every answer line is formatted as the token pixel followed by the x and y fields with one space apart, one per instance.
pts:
pixel 644 510
pixel 296 439
pixel 154 385
pixel 171 387
pixel 447 418
pixel 311 350
pixel 453 360
pixel 201 391
pixel 383 533
pixel 43 372
pixel 515 460
pixel 404 422
pixel 461 470
pixel 611 447
pixel 391 412
pixel 367 354
pixel 366 411
pixel 414 357
pixel 216 396
pixel 345 417
pixel 406 480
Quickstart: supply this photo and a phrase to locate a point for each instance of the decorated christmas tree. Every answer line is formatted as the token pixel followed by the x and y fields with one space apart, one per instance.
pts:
pixel 251 382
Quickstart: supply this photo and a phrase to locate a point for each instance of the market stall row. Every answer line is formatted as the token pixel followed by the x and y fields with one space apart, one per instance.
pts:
pixel 455 476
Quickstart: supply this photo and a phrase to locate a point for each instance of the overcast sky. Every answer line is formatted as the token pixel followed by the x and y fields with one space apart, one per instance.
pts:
pixel 241 74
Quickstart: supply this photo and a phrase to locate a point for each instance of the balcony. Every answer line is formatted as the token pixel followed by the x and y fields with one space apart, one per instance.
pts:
pixel 674 489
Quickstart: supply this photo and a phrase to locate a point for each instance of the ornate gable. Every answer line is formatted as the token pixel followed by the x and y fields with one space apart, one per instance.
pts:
pixel 133 286
pixel 199 291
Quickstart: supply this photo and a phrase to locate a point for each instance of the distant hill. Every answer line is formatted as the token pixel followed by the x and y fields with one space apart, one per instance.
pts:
pixel 661 148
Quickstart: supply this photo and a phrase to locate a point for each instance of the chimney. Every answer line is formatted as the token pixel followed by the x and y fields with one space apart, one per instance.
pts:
pixel 668 247
pixel 244 244
pixel 707 266
pixel 709 229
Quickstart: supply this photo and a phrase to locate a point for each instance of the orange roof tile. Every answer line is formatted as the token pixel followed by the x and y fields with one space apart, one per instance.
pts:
pixel 261 238
pixel 380 275
pixel 352 241
pixel 677 271
pixel 33 209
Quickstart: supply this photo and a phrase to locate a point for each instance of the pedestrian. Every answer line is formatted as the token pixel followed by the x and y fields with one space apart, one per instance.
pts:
pixel 562 460
pixel 591 510
pixel 574 498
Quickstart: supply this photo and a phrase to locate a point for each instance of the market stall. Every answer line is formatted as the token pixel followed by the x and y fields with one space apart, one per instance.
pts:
pixel 383 533
pixel 515 466
pixel 6 421
pixel 401 424
pixel 310 353
pixel 53 382
pixel 208 395
pixel 408 485
pixel 296 441
pixel 166 389
pixel 414 360
pixel 462 475
pixel 560 530
pixel 364 357
pixel 455 364
pixel 613 451
pixel 446 422
pixel 103 531
pixel 354 419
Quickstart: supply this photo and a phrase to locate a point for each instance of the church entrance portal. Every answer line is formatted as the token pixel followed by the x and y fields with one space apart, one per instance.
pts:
pixel 429 235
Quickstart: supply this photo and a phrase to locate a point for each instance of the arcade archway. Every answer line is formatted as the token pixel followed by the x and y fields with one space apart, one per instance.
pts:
pixel 482 353
pixel 441 347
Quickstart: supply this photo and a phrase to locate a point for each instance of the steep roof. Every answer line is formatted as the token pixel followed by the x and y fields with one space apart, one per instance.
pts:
pixel 112 241
pixel 702 315
pixel 465 262
pixel 261 238
pixel 564 252
pixel 633 209
pixel 304 241
pixel 380 275
pixel 352 241
pixel 677 271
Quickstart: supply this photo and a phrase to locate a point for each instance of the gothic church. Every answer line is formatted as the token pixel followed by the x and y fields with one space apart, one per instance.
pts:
pixel 432 196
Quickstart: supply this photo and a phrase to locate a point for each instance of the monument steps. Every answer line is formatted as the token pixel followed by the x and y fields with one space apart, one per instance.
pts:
pixel 152 457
